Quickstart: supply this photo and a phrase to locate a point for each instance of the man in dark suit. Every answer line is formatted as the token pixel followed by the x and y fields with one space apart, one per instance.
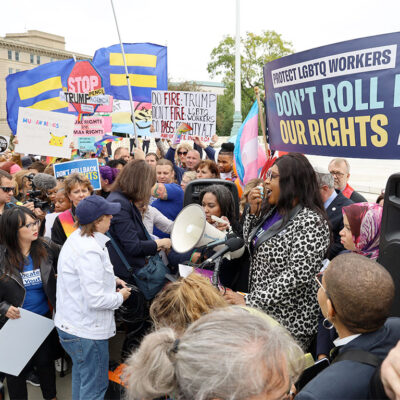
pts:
pixel 334 201
pixel 358 307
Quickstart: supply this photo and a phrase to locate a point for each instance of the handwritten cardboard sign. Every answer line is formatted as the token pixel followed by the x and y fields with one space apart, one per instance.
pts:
pixel 172 108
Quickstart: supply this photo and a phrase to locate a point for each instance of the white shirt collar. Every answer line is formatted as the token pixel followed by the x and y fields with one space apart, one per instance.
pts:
pixel 328 201
pixel 101 239
pixel 341 342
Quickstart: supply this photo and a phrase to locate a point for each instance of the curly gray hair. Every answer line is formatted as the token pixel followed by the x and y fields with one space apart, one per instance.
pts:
pixel 229 353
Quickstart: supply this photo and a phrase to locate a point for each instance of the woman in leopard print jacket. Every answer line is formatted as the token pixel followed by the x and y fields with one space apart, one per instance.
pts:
pixel 287 239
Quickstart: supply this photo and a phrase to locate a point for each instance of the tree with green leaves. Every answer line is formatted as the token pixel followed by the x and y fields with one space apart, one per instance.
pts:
pixel 256 51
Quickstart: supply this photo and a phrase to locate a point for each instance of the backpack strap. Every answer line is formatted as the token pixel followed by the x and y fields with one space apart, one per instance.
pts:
pixel 67 222
pixel 358 355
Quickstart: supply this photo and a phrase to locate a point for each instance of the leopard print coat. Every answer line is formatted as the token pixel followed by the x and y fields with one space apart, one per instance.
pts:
pixel 282 272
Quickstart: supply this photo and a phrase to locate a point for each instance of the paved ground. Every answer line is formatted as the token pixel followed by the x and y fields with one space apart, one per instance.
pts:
pixel 64 384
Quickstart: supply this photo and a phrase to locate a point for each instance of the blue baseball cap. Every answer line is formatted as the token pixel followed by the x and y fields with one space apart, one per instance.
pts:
pixel 93 207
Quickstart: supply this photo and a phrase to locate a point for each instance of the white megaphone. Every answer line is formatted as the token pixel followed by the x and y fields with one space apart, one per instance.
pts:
pixel 191 230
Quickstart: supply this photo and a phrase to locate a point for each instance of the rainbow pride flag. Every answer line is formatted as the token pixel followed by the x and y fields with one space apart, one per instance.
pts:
pixel 106 139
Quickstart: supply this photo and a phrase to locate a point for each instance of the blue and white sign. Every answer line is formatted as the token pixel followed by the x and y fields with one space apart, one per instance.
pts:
pixel 88 167
pixel 337 100
pixel 86 144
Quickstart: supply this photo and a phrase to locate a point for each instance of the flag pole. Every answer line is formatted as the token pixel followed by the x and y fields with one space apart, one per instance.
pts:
pixel 127 78
pixel 262 121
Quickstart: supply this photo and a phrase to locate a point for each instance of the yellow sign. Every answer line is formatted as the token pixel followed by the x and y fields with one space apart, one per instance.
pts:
pixel 96 92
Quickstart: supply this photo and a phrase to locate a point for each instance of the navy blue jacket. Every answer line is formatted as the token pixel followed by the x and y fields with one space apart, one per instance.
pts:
pixel 350 379
pixel 128 231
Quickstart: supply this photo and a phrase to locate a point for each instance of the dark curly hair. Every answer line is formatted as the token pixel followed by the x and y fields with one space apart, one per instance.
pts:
pixel 298 185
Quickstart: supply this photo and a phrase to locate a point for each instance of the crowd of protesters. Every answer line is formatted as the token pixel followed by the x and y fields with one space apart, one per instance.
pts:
pixel 302 311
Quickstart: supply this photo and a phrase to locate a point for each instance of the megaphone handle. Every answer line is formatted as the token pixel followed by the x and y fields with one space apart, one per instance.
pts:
pixel 215 276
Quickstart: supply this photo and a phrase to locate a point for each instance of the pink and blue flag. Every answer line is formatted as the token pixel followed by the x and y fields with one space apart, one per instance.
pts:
pixel 249 155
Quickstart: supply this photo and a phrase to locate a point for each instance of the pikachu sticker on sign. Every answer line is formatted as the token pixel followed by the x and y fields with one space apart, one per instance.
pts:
pixel 57 140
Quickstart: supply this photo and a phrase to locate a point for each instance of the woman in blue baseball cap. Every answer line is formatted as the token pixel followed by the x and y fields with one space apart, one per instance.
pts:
pixel 87 296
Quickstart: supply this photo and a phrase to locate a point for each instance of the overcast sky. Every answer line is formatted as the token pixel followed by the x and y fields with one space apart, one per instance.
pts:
pixel 192 28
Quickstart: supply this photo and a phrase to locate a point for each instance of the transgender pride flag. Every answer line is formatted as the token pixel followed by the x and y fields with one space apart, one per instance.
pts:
pixel 249 155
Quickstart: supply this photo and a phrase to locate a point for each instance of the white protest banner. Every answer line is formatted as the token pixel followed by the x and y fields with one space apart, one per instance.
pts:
pixel 85 98
pixel 44 133
pixel 196 109
pixel 16 347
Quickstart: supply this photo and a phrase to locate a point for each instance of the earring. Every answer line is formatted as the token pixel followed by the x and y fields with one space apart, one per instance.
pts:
pixel 324 324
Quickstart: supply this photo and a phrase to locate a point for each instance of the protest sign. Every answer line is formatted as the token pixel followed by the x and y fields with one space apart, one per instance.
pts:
pixel 92 126
pixel 101 108
pixel 16 347
pixel 83 79
pixel 86 143
pixel 121 118
pixel 88 167
pixel 44 133
pixel 197 109
pixel 337 100
pixel 3 143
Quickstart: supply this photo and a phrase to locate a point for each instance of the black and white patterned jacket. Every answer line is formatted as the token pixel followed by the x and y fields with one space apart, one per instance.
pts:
pixel 283 268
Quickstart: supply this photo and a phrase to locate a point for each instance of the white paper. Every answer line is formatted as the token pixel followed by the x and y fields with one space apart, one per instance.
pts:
pixel 20 338
pixel 185 270
pixel 44 133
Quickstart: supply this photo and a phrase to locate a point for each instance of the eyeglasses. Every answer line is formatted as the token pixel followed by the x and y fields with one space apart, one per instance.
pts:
pixel 7 189
pixel 318 278
pixel 271 175
pixel 31 225
pixel 182 153
pixel 337 173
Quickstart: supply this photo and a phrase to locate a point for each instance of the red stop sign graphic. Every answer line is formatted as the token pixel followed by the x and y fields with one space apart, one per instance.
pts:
pixel 83 79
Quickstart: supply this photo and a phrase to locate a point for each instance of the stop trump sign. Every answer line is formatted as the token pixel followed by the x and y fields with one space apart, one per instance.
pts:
pixel 84 78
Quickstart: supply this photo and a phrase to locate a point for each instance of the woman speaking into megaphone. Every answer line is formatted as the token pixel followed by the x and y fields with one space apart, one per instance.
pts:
pixel 218 206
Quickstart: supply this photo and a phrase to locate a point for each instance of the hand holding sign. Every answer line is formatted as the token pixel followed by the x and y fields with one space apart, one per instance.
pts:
pixel 13 313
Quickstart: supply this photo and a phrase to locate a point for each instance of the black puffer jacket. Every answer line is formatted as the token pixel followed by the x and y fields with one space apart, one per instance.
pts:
pixel 12 290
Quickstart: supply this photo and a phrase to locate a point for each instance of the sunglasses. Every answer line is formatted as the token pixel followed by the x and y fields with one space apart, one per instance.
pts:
pixel 182 153
pixel 7 189
pixel 31 225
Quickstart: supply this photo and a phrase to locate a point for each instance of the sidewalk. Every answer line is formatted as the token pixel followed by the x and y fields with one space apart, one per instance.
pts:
pixel 64 389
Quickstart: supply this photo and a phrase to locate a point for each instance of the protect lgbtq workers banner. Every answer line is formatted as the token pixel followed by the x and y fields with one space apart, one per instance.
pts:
pixel 337 100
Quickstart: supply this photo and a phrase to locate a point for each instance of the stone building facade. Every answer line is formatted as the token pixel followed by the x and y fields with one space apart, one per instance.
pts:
pixel 23 51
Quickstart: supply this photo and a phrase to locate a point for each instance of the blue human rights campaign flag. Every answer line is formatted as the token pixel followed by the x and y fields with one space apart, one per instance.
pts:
pixel 147 69
pixel 37 88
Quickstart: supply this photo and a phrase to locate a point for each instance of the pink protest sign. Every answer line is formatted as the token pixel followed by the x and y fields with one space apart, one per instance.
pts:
pixel 92 126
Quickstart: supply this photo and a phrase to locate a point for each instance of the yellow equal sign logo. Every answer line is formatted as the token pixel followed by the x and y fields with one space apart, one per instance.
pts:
pixel 32 91
pixel 134 60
